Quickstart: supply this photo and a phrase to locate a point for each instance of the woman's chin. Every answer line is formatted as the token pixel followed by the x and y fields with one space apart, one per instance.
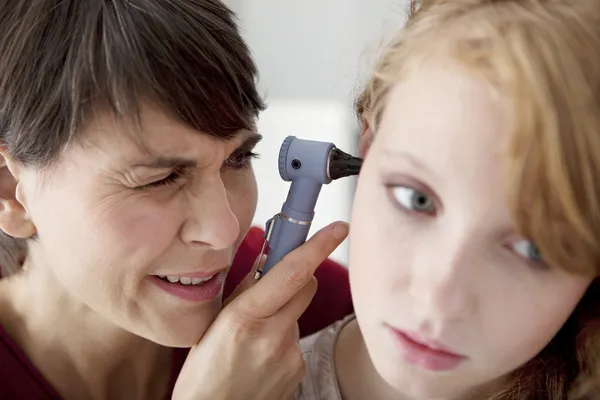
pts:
pixel 182 332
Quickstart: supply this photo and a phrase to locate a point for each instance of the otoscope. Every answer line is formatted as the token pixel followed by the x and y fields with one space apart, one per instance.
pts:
pixel 308 165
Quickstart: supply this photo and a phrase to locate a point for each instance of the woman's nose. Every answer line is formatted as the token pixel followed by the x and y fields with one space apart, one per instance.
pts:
pixel 211 221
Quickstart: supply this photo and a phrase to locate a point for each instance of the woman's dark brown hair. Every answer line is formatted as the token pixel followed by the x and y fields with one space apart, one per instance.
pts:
pixel 61 61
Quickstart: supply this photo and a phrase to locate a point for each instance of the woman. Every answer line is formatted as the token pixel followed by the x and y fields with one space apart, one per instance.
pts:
pixel 127 131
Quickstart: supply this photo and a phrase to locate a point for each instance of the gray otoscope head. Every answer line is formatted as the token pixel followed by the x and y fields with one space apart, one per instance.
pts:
pixel 320 161
pixel 308 165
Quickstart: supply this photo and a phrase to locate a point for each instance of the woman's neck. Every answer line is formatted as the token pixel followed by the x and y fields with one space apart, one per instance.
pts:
pixel 357 377
pixel 80 353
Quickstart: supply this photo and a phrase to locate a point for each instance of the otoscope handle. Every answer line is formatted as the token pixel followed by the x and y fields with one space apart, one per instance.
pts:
pixel 292 224
pixel 287 235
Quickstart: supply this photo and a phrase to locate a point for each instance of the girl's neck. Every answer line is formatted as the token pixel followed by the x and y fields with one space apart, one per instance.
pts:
pixel 80 353
pixel 356 374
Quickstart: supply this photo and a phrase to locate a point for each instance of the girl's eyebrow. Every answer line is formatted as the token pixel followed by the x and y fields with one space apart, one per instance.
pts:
pixel 409 158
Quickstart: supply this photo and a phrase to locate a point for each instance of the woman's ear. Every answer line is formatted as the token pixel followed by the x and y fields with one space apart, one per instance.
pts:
pixel 14 219
pixel 366 137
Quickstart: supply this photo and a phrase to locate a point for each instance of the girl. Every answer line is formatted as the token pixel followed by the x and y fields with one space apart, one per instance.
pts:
pixel 476 225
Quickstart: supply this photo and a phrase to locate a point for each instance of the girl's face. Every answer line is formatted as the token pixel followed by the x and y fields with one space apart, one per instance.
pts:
pixel 447 295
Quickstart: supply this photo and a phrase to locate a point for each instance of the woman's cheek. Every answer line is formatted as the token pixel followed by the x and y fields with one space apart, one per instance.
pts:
pixel 242 194
pixel 147 225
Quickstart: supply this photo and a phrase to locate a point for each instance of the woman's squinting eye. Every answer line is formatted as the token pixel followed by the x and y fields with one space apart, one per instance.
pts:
pixel 240 160
pixel 527 250
pixel 413 200
pixel 175 177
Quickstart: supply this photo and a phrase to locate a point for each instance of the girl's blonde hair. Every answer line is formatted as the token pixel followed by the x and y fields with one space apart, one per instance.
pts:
pixel 545 56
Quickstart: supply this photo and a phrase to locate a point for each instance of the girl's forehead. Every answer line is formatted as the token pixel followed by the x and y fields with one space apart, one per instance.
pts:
pixel 439 106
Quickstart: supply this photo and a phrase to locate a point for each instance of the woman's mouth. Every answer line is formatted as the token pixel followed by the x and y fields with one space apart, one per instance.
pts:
pixel 191 287
pixel 184 280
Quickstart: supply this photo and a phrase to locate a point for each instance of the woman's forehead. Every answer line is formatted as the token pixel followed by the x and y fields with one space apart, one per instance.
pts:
pixel 155 134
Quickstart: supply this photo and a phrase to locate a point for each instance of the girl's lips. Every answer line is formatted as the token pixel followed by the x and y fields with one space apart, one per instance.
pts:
pixel 427 354
pixel 434 345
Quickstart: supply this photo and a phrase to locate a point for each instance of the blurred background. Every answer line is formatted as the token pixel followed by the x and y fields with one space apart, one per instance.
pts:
pixel 313 57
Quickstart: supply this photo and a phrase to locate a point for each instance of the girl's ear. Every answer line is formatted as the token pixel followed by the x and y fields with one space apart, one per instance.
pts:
pixel 366 137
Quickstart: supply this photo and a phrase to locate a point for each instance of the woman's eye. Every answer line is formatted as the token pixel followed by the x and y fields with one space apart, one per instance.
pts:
pixel 526 249
pixel 413 200
pixel 173 178
pixel 240 161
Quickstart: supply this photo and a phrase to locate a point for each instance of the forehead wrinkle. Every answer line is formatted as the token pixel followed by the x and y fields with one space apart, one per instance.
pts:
pixel 156 135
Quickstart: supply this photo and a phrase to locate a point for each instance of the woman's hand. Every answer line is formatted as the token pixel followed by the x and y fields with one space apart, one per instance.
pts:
pixel 251 351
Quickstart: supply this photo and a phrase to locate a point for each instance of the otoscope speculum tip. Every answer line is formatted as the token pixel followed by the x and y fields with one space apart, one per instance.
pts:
pixel 342 164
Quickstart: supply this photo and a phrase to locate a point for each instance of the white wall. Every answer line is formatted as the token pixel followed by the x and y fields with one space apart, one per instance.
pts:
pixel 312 55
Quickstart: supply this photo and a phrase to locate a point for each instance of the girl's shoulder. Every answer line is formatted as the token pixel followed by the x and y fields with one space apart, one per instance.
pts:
pixel 320 381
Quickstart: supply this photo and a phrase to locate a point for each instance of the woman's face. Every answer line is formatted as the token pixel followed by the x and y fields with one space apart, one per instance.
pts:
pixel 448 296
pixel 116 214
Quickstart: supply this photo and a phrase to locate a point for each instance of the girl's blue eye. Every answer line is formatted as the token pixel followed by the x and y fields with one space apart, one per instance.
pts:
pixel 413 200
pixel 526 249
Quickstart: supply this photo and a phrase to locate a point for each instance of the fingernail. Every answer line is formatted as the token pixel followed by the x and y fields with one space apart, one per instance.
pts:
pixel 340 230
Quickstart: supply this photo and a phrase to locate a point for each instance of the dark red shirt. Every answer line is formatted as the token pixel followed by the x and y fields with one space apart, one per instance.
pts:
pixel 21 380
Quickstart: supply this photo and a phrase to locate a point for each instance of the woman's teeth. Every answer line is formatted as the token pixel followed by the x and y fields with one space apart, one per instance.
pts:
pixel 184 280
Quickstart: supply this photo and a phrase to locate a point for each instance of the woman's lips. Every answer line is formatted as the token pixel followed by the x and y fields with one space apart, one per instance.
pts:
pixel 207 290
pixel 427 354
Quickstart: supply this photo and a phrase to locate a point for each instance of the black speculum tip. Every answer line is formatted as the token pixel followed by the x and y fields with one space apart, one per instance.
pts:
pixel 343 164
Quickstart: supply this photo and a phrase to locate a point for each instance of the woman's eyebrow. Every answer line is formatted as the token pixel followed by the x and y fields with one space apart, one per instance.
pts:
pixel 168 163
pixel 249 142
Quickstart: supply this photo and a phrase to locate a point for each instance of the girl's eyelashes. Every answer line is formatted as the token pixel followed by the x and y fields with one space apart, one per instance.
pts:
pixel 527 250
pixel 412 200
